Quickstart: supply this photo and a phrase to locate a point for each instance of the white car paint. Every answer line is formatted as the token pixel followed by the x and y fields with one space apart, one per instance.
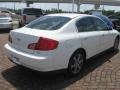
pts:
pixel 5 22
pixel 69 41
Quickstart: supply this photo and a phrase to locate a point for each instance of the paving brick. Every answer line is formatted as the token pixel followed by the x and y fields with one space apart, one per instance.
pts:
pixel 101 73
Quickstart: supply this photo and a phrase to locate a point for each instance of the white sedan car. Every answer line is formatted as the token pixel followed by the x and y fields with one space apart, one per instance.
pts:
pixel 60 41
pixel 5 21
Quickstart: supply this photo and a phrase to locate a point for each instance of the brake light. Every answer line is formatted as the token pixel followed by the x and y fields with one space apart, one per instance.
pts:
pixel 44 44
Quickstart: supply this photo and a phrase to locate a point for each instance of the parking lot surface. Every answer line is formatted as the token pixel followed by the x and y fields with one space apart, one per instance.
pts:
pixel 101 73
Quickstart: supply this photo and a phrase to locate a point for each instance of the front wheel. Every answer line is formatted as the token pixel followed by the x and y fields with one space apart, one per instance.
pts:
pixel 76 63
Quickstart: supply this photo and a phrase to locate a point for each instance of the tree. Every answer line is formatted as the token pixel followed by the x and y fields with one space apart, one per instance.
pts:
pixel 109 12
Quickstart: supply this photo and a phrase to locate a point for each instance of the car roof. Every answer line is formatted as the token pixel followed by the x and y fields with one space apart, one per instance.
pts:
pixel 69 15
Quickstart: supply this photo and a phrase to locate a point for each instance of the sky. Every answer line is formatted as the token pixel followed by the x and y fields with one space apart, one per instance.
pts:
pixel 64 7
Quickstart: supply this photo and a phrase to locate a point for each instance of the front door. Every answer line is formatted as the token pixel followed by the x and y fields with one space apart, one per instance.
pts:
pixel 90 37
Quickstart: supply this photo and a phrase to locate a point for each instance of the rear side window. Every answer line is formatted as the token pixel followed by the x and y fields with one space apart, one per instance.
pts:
pixel 32 11
pixel 85 25
pixel 49 22
pixel 100 25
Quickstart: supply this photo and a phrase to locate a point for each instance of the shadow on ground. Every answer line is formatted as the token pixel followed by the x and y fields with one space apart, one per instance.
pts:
pixel 24 79
pixel 2 31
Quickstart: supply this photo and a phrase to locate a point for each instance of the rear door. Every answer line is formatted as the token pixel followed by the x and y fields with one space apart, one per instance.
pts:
pixel 90 37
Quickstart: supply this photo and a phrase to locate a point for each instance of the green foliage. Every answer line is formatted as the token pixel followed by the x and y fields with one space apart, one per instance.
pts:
pixel 50 11
pixel 117 14
pixel 105 12
pixel 15 11
pixel 53 11
pixel 87 11
pixel 108 13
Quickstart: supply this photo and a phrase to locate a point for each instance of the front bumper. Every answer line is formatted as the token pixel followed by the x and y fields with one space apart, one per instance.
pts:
pixel 31 61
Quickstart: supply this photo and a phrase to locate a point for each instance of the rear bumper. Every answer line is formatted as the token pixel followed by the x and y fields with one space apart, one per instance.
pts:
pixel 5 25
pixel 31 61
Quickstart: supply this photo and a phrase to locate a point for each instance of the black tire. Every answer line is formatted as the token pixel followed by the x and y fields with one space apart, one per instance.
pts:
pixel 20 25
pixel 116 44
pixel 76 63
pixel 10 29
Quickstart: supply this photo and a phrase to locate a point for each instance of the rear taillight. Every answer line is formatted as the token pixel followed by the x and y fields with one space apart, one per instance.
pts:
pixel 9 38
pixel 44 44
pixel 24 17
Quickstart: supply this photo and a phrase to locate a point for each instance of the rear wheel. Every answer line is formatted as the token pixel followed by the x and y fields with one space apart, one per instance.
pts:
pixel 76 63
pixel 20 24
pixel 116 44
pixel 11 28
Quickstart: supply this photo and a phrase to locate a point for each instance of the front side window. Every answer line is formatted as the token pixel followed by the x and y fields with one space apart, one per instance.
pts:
pixel 85 25
pixel 100 25
pixel 49 22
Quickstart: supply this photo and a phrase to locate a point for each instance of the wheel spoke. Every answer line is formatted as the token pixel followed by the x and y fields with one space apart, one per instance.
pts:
pixel 77 63
pixel 75 58
pixel 76 69
pixel 79 56
pixel 73 66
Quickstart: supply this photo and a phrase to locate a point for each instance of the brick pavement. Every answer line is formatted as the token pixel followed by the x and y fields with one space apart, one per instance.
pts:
pixel 101 73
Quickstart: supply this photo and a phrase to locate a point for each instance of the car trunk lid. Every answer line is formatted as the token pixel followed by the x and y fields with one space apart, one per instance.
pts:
pixel 21 38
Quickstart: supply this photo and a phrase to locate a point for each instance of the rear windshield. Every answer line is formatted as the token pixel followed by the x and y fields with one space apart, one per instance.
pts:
pixel 49 22
pixel 3 15
pixel 32 11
